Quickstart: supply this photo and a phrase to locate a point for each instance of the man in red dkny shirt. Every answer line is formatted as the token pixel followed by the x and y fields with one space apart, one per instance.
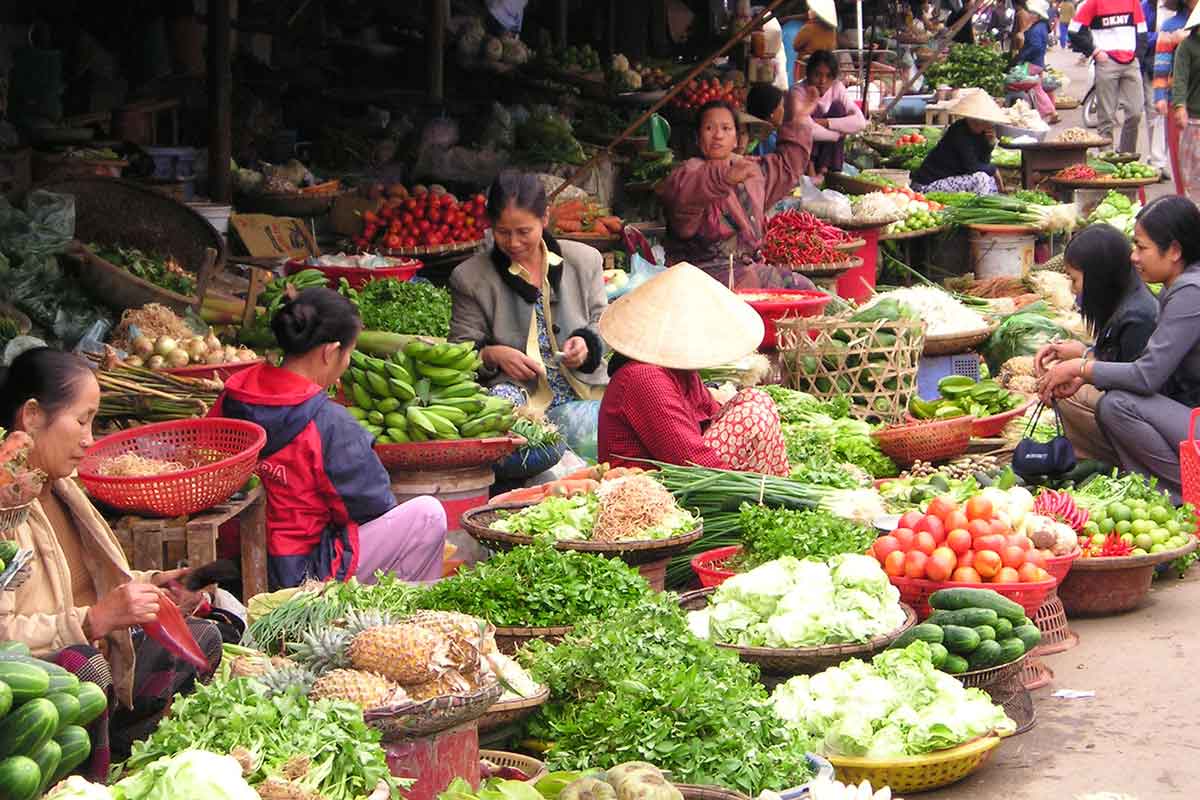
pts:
pixel 1113 32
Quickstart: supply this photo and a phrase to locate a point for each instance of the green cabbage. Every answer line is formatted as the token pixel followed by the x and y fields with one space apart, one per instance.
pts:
pixel 191 773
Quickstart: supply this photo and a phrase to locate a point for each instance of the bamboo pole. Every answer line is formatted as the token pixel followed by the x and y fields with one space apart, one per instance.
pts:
pixel 676 89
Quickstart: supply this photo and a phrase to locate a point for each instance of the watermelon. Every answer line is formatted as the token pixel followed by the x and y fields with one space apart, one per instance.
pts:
pixel 20 778
pixel 68 709
pixel 28 728
pixel 92 702
pixel 47 758
pixel 76 747
pixel 27 681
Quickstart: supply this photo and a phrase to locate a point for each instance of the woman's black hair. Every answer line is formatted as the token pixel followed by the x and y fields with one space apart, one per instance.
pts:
pixel 763 100
pixel 820 57
pixel 1101 253
pixel 521 189
pixel 1173 219
pixel 315 317
pixel 44 374
pixel 712 105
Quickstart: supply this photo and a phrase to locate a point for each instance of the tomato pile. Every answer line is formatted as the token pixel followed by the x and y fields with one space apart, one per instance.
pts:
pixel 797 237
pixel 960 544
pixel 699 92
pixel 423 219
pixel 910 138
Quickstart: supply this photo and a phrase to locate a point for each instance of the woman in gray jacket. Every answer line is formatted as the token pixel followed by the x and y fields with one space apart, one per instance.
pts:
pixel 534 352
pixel 1147 405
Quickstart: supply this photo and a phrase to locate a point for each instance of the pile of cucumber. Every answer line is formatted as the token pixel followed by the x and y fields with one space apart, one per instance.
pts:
pixel 973 629
pixel 43 712
pixel 426 392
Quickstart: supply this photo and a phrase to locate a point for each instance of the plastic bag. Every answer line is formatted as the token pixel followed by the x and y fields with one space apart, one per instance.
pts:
pixel 44 228
pixel 824 203
pixel 579 423
pixel 641 270
pixel 52 299
pixel 1022 334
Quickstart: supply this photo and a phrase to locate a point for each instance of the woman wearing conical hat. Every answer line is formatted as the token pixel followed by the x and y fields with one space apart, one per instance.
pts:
pixel 656 406
pixel 962 160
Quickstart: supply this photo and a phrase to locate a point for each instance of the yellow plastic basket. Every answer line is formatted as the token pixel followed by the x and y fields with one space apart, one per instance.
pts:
pixel 919 773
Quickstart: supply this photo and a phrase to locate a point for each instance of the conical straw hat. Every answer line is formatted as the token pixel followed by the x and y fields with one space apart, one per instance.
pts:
pixel 979 105
pixel 1193 19
pixel 1039 7
pixel 682 319
pixel 825 10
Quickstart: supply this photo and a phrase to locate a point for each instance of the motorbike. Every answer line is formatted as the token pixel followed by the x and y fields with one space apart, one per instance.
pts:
pixel 1091 116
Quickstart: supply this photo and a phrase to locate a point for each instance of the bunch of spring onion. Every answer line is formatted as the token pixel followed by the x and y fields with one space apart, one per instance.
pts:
pixel 150 396
pixel 998 209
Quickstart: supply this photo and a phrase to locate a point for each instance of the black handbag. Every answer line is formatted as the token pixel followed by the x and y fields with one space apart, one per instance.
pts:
pixel 1055 457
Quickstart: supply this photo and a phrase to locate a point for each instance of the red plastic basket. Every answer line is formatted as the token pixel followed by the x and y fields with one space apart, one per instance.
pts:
pixel 452 454
pixel 1189 464
pixel 990 427
pixel 1059 566
pixel 227 450
pixel 938 440
pixel 790 303
pixel 358 277
pixel 707 565
pixel 916 591
pixel 219 371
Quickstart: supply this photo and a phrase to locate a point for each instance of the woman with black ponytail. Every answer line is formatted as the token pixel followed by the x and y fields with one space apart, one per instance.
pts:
pixel 331 513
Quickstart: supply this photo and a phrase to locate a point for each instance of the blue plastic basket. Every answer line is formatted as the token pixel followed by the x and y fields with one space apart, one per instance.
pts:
pixel 823 769
pixel 525 462
pixel 931 369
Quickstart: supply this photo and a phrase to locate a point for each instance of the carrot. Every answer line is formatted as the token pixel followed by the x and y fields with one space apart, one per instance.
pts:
pixel 569 225
pixel 531 494
pixel 566 488
pixel 587 473
pixel 598 227
pixel 613 224
pixel 622 472
pixel 571 208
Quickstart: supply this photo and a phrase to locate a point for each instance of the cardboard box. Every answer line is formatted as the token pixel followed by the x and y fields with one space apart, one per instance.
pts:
pixel 265 236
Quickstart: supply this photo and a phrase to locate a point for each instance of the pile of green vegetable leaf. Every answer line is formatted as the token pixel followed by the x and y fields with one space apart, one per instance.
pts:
pixel 1022 334
pixel 897 705
pixel 562 518
pixel 1117 210
pixel 638 685
pixel 409 307
pixel 772 533
pixel 822 437
pixel 970 65
pixel 345 759
pixel 158 269
pixel 1003 157
pixel 547 138
pixel 537 586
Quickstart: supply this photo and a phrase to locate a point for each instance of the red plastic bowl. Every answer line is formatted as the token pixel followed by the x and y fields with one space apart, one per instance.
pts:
pixel 915 592
pixel 358 277
pixel 791 303
pixel 1059 566
pixel 707 565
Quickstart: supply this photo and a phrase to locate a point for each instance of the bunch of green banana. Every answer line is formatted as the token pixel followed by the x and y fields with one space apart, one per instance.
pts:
pixel 426 392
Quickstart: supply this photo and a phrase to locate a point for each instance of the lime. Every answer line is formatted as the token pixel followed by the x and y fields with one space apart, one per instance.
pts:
pixel 1120 512
pixel 1098 539
pixel 1141 526
pixel 1127 538
pixel 1144 541
pixel 1106 525
pixel 1160 515
pixel 1158 548
pixel 1091 528
pixel 1173 527
pixel 1139 512
pixel 1137 551
pixel 1159 535
pixel 1124 526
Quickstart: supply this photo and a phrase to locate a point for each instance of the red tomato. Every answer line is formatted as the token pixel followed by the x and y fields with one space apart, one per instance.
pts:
pixel 894 563
pixel 393 242
pixel 1012 556
pixel 967 559
pixel 1020 540
pixel 931 524
pixel 979 507
pixel 958 540
pixel 925 542
pixel 978 528
pixel 954 520
pixel 1036 557
pixel 941 564
pixel 940 507
pixel 987 563
pixel 905 537
pixel 1028 572
pixel 885 546
pixel 993 543
pixel 914 564
pixel 965 575
pixel 910 519
pixel 1007 575
pixel 999 527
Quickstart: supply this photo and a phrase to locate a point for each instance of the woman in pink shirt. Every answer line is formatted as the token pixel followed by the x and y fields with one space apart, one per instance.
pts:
pixel 836 115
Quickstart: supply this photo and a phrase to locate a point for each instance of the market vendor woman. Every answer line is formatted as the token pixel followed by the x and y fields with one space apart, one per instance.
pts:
pixel 962 159
pixel 531 304
pixel 82 604
pixel 717 205
pixel 657 407
pixel 331 513
pixel 1148 402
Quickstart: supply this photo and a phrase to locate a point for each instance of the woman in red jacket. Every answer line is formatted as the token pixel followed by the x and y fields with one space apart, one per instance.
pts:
pixel 330 508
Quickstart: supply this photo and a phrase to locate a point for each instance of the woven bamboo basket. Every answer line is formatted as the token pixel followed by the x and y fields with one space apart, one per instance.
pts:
pixel 1100 586
pixel 693 792
pixel 535 769
pixel 931 441
pixel 1035 674
pixel 512 711
pixel 957 342
pixel 431 716
pixel 509 640
pixel 993 676
pixel 919 773
pixel 876 369
pixel 1051 620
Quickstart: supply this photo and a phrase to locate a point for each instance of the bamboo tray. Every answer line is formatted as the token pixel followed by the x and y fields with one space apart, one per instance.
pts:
pixel 439 250
pixel 825 270
pixel 506 713
pixel 953 343
pixel 510 639
pixel 1003 228
pixel 1107 183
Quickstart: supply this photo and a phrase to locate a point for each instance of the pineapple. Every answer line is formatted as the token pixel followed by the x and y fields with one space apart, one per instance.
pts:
pixel 364 689
pixel 463 629
pixel 358 621
pixel 280 679
pixel 323 651
pixel 450 683
pixel 405 653
pixel 256 665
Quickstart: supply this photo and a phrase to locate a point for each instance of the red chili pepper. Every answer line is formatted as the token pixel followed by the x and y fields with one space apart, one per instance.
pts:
pixel 171 631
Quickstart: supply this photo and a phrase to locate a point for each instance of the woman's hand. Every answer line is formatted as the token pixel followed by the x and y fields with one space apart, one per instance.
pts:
pixel 574 352
pixel 1061 380
pixel 512 362
pixel 1056 351
pixel 1161 107
pixel 824 123
pixel 123 607
pixel 741 170
pixel 1181 116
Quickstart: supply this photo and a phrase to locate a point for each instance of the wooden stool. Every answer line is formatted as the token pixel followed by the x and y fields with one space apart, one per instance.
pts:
pixel 144 539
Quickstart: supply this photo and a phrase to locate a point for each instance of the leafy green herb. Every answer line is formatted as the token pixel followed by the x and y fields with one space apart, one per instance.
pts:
pixel 975 65
pixel 162 271
pixel 563 518
pixel 412 307
pixel 769 533
pixel 345 759
pixel 638 685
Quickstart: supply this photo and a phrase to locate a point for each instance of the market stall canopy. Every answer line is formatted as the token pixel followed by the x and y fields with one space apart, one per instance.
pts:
pixel 682 319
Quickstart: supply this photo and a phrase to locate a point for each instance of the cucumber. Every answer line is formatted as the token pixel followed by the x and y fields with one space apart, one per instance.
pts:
pixel 939 653
pixel 931 634
pixel 61 679
pixel 6 699
pixel 47 758
pixel 956 599
pixel 960 640
pixel 28 728
pixel 988 654
pixel 1024 621
pixel 27 681
pixel 1029 635
pixel 92 702
pixel 966 617
pixel 20 778
pixel 986 633
pixel 76 747
pixel 17 648
pixel 68 709
pixel 1004 629
pixel 1011 649
pixel 954 664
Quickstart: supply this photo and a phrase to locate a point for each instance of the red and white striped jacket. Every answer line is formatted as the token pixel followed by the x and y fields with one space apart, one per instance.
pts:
pixel 1114 25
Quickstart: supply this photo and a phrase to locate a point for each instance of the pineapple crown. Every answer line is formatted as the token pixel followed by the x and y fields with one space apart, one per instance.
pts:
pixel 279 680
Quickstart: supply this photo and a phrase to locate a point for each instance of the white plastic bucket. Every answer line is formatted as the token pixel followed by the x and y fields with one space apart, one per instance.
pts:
pixel 217 215
pixel 1001 255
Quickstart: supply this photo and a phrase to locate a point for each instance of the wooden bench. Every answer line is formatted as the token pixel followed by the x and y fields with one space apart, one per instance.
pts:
pixel 145 540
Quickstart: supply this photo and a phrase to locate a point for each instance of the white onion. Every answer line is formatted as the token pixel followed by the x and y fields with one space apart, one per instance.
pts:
pixel 215 357
pixel 230 353
pixel 134 361
pixel 165 345
pixel 212 342
pixel 141 346
pixel 156 362
pixel 196 350
pixel 178 358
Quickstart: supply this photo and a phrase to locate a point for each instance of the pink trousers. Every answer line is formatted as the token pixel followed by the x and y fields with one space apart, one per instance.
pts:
pixel 407 541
